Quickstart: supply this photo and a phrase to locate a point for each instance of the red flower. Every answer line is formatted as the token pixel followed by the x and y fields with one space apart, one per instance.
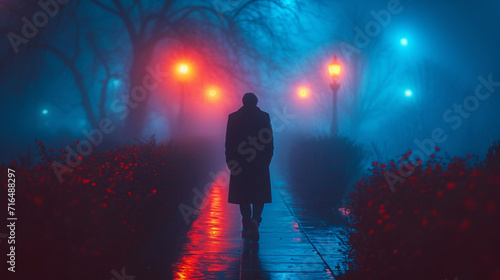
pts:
pixel 371 231
pixel 425 222
pixel 154 191
pixel 490 207
pixel 38 201
pixel 470 204
pixel 451 185
pixel 375 163
pixel 383 165
pixel 437 149
pixel 439 194
pixel 388 227
pixel 464 225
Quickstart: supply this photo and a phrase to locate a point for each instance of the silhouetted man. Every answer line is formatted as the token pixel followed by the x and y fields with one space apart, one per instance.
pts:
pixel 249 149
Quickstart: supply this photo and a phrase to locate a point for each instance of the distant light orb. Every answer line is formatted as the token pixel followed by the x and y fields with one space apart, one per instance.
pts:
pixel 45 112
pixel 408 93
pixel 116 82
pixel 212 93
pixel 303 92
pixel 183 68
pixel 404 42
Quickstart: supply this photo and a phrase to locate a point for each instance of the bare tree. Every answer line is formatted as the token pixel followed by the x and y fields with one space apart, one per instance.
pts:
pixel 147 25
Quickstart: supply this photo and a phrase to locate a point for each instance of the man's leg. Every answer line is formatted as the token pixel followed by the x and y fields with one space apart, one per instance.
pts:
pixel 246 213
pixel 257 211
pixel 256 219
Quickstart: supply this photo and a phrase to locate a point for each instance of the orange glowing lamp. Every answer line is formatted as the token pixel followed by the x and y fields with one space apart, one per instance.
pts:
pixel 183 68
pixel 303 92
pixel 213 93
pixel 183 71
pixel 335 68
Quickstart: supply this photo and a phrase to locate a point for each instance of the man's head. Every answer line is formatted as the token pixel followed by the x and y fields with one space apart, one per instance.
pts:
pixel 250 100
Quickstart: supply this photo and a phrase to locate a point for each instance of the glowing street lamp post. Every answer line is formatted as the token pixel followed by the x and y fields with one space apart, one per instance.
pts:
pixel 334 69
pixel 183 71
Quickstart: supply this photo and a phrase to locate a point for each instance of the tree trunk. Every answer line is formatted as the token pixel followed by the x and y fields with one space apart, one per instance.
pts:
pixel 135 121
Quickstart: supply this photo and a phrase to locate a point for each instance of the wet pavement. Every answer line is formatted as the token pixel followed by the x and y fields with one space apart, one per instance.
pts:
pixel 293 245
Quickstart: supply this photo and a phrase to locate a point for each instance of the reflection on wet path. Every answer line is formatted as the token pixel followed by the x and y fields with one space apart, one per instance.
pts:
pixel 214 249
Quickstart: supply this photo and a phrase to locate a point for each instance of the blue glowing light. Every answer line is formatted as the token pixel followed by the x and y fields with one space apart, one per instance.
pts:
pixel 408 93
pixel 404 42
pixel 45 112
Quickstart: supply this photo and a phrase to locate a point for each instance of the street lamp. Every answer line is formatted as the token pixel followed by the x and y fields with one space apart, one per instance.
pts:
pixel 335 70
pixel 183 68
pixel 213 94
pixel 303 92
pixel 408 93
pixel 404 42
pixel 183 74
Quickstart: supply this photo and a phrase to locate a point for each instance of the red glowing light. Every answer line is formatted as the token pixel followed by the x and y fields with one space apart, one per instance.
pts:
pixel 184 71
pixel 213 93
pixel 303 92
pixel 183 68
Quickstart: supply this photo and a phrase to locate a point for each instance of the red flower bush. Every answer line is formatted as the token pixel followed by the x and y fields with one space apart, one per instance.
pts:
pixel 440 220
pixel 100 216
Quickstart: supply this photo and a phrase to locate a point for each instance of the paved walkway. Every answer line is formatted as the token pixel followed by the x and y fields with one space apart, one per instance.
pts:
pixel 292 245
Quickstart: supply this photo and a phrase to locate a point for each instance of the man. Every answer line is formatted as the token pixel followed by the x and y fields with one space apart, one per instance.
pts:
pixel 249 149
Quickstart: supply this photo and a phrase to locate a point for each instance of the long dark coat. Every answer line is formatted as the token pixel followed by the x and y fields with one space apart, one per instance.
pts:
pixel 249 149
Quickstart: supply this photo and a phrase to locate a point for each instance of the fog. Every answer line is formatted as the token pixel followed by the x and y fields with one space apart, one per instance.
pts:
pixel 411 71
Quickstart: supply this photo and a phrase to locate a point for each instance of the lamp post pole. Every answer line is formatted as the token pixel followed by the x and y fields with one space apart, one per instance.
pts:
pixel 334 69
pixel 183 71
pixel 335 86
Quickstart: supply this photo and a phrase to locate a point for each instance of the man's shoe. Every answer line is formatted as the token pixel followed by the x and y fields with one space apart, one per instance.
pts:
pixel 255 230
